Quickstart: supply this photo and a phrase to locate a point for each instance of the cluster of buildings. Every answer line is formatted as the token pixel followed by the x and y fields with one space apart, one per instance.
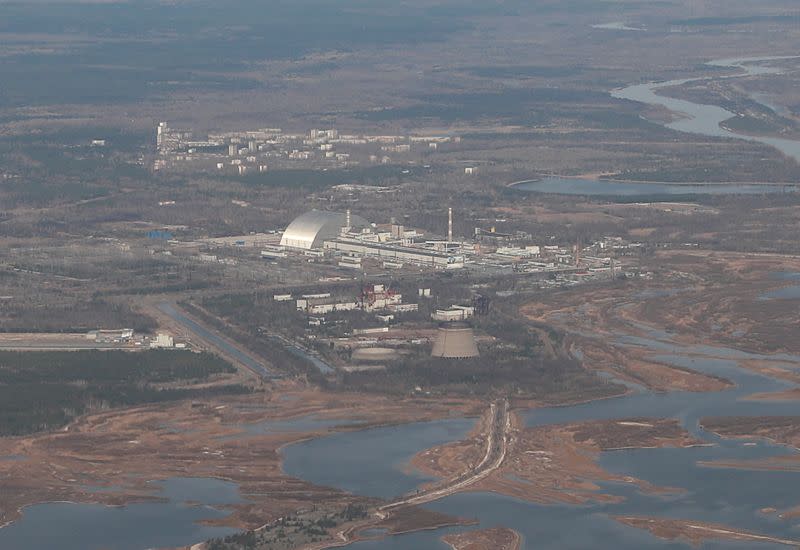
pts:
pixel 127 337
pixel 247 152
pixel 349 241
pixel 373 298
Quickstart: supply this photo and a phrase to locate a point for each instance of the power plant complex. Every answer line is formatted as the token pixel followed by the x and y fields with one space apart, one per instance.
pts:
pixel 361 317
pixel 348 240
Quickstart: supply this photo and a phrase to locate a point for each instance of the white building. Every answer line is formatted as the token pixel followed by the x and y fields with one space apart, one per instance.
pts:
pixel 454 313
pixel 162 340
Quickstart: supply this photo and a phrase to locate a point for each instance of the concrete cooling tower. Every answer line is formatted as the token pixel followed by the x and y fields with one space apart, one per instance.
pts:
pixel 456 341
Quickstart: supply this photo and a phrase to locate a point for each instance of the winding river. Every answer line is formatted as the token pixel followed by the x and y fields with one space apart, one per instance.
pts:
pixel 646 191
pixel 171 523
pixel 705 119
pixel 695 118
pixel 373 462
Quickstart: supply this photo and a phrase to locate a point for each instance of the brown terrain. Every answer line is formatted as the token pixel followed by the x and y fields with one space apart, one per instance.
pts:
pixel 558 464
pixel 711 294
pixel 413 518
pixel 485 539
pixel 783 430
pixel 535 102
pixel 127 448
pixel 695 532
pixel 729 309
pixel 788 395
pixel 791 513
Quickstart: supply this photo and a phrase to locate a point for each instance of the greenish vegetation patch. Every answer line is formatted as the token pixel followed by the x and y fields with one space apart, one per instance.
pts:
pixel 45 390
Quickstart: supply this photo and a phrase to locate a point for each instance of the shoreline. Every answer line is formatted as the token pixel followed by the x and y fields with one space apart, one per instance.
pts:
pixel 482 538
pixel 677 106
pixel 696 533
pixel 602 179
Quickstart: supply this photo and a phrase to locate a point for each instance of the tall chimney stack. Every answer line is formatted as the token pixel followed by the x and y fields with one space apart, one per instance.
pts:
pixel 347 221
pixel 449 225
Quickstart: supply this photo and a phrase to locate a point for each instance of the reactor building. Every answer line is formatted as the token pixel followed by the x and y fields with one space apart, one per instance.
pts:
pixel 313 228
pixel 455 341
pixel 351 237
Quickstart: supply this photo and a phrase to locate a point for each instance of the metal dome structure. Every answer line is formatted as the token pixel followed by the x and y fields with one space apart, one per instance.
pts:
pixel 311 229
pixel 455 341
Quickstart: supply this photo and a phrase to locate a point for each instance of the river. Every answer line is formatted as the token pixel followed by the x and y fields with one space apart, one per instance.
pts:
pixel 174 522
pixel 705 119
pixel 374 462
pixel 696 118
pixel 647 191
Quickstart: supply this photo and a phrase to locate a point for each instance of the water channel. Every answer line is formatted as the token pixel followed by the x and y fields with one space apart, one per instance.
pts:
pixel 220 343
pixel 599 187
pixel 373 462
pixel 695 118
pixel 705 119
pixel 171 523
pixel 790 292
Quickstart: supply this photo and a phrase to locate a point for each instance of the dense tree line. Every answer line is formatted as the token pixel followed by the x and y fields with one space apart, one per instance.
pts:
pixel 45 390
pixel 291 531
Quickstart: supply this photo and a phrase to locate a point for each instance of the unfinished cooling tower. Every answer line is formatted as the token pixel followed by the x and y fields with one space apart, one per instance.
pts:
pixel 455 340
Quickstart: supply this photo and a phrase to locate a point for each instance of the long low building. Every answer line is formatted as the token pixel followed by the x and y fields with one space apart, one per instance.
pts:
pixel 418 256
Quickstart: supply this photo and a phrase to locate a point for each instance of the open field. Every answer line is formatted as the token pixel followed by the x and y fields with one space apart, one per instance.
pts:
pixel 33 341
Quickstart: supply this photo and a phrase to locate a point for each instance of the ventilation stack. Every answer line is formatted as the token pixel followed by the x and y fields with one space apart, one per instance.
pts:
pixel 449 225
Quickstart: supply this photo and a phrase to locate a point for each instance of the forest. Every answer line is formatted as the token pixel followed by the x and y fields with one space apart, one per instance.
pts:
pixel 46 390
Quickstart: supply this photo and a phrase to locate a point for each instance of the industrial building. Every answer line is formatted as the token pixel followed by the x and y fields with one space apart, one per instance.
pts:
pixel 353 238
pixel 325 304
pixel 162 340
pixel 378 297
pixel 311 229
pixel 397 253
pixel 372 298
pixel 454 313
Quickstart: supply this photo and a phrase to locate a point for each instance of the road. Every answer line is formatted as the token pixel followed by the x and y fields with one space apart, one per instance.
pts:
pixel 498 436
pixel 497 440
